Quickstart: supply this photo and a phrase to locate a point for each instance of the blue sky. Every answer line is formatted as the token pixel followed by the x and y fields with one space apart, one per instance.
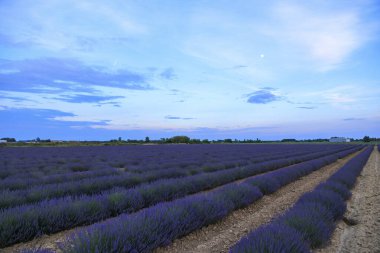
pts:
pixel 95 70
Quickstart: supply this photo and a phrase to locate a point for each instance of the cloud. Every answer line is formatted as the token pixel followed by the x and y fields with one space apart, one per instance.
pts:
pixel 8 71
pixel 168 74
pixel 263 96
pixel 239 66
pixel 7 41
pixel 89 44
pixel 268 88
pixel 338 95
pixel 15 99
pixel 26 123
pixel 353 119
pixel 87 98
pixel 306 107
pixel 67 27
pixel 328 35
pixel 176 117
pixel 57 74
pixel 25 119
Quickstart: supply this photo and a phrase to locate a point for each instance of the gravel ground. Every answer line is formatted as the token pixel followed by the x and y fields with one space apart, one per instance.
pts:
pixel 220 236
pixel 362 233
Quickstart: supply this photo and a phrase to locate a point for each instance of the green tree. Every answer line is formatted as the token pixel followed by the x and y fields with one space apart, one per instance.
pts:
pixel 179 139
pixel 147 139
pixel 366 139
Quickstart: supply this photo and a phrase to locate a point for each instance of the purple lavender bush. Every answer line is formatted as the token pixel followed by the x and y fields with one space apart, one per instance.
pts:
pixel 161 224
pixel 313 216
pixel 124 233
pixel 274 238
pixel 96 184
pixel 37 251
pixel 25 222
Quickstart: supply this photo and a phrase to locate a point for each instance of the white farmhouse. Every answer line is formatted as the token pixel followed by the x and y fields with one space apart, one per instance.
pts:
pixel 339 139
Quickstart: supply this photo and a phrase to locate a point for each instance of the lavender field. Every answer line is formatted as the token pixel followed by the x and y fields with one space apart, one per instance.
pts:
pixel 189 126
pixel 142 198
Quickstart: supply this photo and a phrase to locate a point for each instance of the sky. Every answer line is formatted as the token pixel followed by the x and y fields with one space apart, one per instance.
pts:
pixel 99 70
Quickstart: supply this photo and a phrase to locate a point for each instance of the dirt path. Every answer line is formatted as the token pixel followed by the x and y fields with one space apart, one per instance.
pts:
pixel 364 209
pixel 305 184
pixel 221 236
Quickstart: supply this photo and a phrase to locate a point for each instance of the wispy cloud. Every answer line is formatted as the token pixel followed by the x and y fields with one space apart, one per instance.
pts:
pixel 168 74
pixel 176 117
pixel 14 98
pixel 27 123
pixel 87 98
pixel 344 94
pixel 306 107
pixel 38 117
pixel 65 74
pixel 239 66
pixel 51 32
pixel 327 35
pixel 353 119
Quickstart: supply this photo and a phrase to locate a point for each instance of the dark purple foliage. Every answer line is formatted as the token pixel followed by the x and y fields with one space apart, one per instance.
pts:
pixel 37 251
pixel 159 225
pixel 329 199
pixel 59 214
pixel 93 182
pixel 315 228
pixel 122 231
pixel 239 195
pixel 351 170
pixel 336 187
pixel 274 238
pixel 25 222
pixel 266 183
pixel 313 215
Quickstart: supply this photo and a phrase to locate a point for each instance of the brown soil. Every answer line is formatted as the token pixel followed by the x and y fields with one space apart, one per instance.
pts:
pixel 220 236
pixel 361 234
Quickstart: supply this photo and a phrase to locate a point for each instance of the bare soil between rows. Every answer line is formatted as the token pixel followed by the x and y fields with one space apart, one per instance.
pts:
pixel 362 234
pixel 220 236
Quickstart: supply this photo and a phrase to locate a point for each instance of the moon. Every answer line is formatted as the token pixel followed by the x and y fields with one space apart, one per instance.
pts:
pixel 262 55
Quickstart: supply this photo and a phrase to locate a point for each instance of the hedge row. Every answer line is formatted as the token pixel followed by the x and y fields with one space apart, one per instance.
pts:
pixel 311 221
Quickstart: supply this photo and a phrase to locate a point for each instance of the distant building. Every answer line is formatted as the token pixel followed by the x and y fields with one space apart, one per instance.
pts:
pixel 3 141
pixel 339 139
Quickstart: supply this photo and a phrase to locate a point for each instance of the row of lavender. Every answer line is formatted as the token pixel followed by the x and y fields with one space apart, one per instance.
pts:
pixel 30 166
pixel 84 183
pixel 28 221
pixel 24 178
pixel 37 162
pixel 90 186
pixel 159 225
pixel 311 221
pixel 16 183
